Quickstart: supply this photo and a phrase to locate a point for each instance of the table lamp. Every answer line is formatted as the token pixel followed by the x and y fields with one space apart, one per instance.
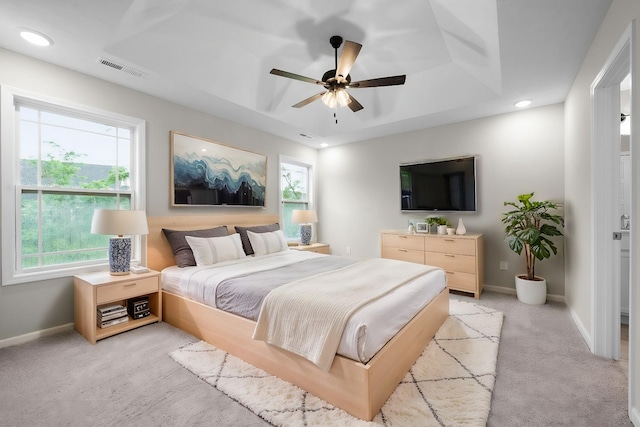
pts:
pixel 118 224
pixel 304 218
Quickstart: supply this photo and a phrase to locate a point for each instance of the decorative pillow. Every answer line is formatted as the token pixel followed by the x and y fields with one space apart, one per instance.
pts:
pixel 211 250
pixel 181 249
pixel 242 231
pixel 267 243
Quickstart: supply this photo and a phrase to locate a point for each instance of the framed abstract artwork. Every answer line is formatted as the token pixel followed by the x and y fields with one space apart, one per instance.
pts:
pixel 207 173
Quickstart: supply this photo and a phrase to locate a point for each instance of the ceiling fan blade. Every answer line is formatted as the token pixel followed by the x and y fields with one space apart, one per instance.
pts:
pixel 289 75
pixel 354 105
pixel 382 81
pixel 348 56
pixel 308 100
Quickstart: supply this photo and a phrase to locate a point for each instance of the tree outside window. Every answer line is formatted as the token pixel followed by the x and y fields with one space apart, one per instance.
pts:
pixel 294 182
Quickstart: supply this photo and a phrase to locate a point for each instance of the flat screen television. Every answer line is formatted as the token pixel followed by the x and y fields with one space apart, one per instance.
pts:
pixel 439 185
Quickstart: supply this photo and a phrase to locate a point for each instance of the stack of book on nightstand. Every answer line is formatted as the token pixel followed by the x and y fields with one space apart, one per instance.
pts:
pixel 113 314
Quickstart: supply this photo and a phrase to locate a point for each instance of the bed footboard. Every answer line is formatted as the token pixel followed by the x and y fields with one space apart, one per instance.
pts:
pixel 359 389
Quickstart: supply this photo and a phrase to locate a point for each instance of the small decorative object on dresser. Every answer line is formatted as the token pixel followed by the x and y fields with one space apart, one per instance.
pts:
pixel 461 230
pixel 422 227
pixel 305 218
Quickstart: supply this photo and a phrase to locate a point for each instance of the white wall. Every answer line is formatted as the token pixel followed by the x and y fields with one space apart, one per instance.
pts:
pixel 578 172
pixel 36 306
pixel 517 153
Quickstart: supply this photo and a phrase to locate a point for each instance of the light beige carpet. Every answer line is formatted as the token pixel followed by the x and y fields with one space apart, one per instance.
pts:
pixel 449 385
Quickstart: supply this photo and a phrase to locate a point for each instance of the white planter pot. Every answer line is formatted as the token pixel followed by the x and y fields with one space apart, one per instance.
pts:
pixel 442 229
pixel 531 291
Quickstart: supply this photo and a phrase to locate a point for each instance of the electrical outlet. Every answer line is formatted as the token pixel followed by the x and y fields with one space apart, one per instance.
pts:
pixel 348 250
pixel 504 265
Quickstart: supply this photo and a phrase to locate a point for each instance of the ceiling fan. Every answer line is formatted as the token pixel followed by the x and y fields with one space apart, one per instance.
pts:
pixel 336 81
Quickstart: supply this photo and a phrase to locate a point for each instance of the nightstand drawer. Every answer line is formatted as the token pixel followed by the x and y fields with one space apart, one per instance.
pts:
pixel 451 245
pixel 451 262
pixel 403 242
pixel 128 289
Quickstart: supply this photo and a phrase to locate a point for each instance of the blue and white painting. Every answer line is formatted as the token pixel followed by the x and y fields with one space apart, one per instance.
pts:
pixel 208 173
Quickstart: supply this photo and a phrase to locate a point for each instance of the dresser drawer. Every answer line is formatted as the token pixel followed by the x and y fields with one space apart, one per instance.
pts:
pixel 409 255
pixel 451 262
pixel 124 290
pixel 403 241
pixel 450 245
pixel 461 281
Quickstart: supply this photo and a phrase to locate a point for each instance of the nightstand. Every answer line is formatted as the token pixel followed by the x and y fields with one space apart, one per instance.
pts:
pixel 96 289
pixel 321 248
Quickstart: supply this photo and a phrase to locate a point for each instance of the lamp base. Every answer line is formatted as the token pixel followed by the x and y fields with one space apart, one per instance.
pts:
pixel 119 255
pixel 305 234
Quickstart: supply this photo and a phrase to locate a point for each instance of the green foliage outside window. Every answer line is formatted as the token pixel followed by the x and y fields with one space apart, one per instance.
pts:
pixel 294 183
pixel 56 226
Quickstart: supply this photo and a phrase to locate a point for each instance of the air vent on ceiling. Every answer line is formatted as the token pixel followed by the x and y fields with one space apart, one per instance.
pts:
pixel 120 67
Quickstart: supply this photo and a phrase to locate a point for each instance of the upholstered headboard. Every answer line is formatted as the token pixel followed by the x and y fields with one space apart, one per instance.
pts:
pixel 159 253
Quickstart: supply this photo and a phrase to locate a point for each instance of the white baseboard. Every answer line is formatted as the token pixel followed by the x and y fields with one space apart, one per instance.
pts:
pixel 635 417
pixel 583 331
pixel 512 291
pixel 21 339
pixel 499 289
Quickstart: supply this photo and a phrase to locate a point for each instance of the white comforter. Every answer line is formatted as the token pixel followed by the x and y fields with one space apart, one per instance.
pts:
pixel 368 329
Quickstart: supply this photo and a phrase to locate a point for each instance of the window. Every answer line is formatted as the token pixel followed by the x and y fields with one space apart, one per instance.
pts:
pixel 295 193
pixel 59 164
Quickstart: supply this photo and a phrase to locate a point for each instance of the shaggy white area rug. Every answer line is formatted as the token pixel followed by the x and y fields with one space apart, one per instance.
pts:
pixel 449 385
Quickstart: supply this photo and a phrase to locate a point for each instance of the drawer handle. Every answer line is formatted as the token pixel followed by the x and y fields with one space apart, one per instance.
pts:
pixel 449 240
pixel 451 272
pixel 403 237
pixel 402 250
pixel 450 256
pixel 126 285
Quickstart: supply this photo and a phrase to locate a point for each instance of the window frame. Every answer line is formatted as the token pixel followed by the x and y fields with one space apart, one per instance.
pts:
pixel 311 202
pixel 11 187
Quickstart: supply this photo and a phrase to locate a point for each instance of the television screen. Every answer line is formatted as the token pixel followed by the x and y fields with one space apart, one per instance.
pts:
pixel 440 185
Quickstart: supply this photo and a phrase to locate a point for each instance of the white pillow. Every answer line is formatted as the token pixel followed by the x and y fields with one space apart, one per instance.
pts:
pixel 267 243
pixel 210 250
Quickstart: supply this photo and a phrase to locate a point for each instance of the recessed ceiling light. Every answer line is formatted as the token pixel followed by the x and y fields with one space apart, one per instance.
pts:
pixel 523 103
pixel 324 145
pixel 36 38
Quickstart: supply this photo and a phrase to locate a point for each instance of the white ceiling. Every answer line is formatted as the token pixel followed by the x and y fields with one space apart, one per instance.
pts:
pixel 464 59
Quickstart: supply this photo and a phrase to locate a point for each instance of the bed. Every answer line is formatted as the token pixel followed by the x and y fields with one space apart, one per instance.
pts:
pixel 356 387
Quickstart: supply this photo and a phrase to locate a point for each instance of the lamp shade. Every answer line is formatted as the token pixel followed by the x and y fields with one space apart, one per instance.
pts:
pixel 119 222
pixel 299 216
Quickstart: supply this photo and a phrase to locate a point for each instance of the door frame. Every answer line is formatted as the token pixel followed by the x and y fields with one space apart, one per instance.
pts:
pixel 605 165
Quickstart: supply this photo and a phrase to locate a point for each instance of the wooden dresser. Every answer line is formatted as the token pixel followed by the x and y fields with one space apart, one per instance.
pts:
pixel 462 257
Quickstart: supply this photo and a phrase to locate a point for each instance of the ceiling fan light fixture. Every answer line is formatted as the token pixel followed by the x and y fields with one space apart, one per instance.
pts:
pixel 342 97
pixel 329 99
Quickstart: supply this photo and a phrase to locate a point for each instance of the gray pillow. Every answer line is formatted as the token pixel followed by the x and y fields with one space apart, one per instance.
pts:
pixel 244 237
pixel 181 249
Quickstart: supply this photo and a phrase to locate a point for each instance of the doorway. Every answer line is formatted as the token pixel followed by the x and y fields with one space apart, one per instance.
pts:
pixel 607 214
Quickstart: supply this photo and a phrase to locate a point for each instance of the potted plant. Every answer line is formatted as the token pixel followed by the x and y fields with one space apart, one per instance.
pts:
pixel 528 228
pixel 440 222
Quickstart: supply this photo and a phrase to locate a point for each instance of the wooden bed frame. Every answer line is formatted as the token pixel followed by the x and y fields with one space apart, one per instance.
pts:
pixel 359 389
